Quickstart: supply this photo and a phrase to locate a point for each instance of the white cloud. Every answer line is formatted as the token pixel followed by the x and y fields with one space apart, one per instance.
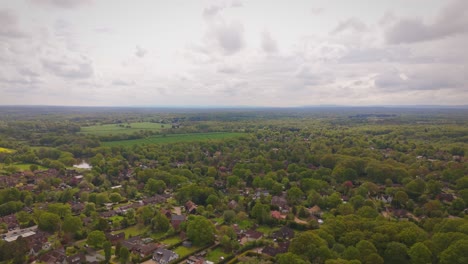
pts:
pixel 452 20
pixel 233 53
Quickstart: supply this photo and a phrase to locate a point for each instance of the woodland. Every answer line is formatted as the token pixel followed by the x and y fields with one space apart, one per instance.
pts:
pixel 252 185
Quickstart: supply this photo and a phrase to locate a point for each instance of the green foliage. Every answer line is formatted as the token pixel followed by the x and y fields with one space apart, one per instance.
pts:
pixel 49 221
pixel 310 246
pixel 419 254
pixel 200 231
pixel 456 253
pixel 160 223
pixel 96 239
pixel 167 139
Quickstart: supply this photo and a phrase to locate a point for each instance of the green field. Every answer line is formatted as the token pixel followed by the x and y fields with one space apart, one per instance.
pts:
pixel 174 138
pixel 216 254
pixel 183 251
pixel 123 128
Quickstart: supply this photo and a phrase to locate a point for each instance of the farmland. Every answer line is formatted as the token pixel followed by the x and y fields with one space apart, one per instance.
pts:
pixel 174 138
pixel 123 128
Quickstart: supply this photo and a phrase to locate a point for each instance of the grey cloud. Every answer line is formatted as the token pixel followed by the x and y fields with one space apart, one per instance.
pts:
pixel 9 25
pixel 434 78
pixel 62 28
pixel 317 10
pixel 69 68
pixel 452 20
pixel 307 76
pixel 269 45
pixel 236 3
pixel 66 4
pixel 122 83
pixel 229 37
pixel 140 52
pixel 352 24
pixel 27 72
pixel 212 11
pixel 228 69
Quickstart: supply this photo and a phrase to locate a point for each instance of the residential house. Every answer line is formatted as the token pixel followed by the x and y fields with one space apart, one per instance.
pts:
pixel 281 203
pixel 115 238
pixel 164 256
pixel 284 233
pixel 195 260
pixel 232 204
pixel 76 259
pixel 190 207
pixel 280 248
pixel 157 199
pixel 10 221
pixel 138 246
pixel 251 235
pixel 277 215
pixel 176 220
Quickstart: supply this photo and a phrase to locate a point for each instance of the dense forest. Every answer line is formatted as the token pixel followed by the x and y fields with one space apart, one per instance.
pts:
pixel 296 185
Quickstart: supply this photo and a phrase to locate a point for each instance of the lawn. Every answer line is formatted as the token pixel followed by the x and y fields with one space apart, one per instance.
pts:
pixel 123 128
pixel 25 166
pixel 134 230
pixel 184 251
pixel 215 255
pixel 265 229
pixel 245 224
pixel 171 241
pixel 174 138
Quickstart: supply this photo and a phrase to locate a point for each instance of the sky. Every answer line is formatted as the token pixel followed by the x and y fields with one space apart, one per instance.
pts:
pixel 233 53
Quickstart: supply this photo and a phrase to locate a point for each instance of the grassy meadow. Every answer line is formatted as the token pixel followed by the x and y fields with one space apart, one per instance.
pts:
pixel 123 128
pixel 174 138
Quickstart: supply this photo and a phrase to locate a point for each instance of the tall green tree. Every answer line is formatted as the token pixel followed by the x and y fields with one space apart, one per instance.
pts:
pixel 200 231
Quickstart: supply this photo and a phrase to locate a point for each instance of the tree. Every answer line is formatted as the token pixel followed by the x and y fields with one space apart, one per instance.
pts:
pixel 200 231
pixel 294 195
pixel 153 186
pixel 59 209
pixel 396 253
pixel 124 255
pixel 311 246
pixel 107 250
pixel 229 216
pixel 366 248
pixel 367 212
pixel 400 198
pixel 420 254
pixel 455 253
pixel 115 197
pixel 72 225
pixel 49 222
pixel 96 238
pixel 290 258
pixel 160 223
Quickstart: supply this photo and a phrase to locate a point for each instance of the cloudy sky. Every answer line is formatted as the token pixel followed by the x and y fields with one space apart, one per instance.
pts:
pixel 233 52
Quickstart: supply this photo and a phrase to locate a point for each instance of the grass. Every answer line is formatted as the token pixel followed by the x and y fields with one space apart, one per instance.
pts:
pixel 265 229
pixel 123 128
pixel 134 230
pixel 6 150
pixel 245 224
pixel 216 254
pixel 25 166
pixel 174 138
pixel 171 241
pixel 184 251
